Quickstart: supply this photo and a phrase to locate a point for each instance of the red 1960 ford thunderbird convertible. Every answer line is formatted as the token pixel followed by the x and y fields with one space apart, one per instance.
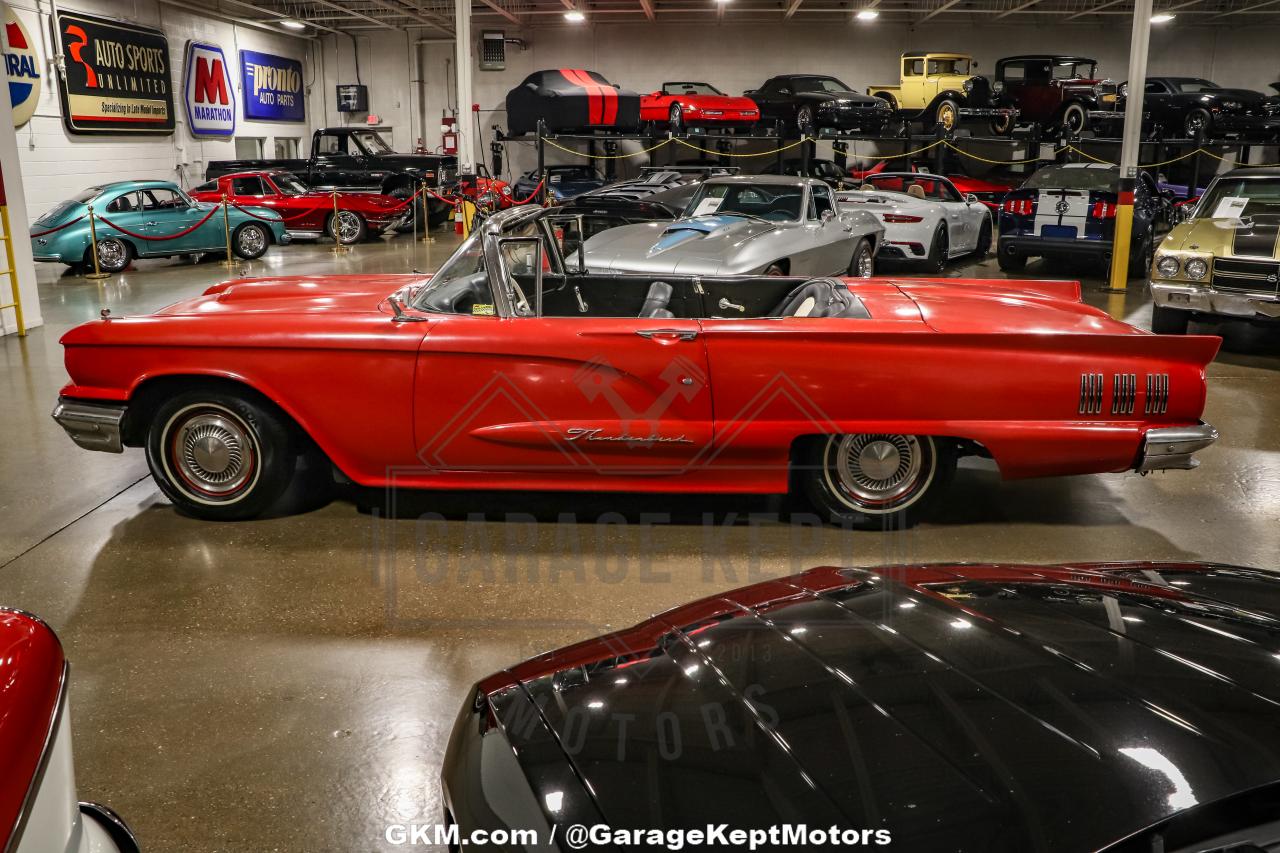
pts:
pixel 514 367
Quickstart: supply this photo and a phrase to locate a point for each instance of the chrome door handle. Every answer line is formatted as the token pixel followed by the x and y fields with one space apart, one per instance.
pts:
pixel 678 334
pixel 151 224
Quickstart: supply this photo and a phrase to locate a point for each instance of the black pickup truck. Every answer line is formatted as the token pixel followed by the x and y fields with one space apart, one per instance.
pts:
pixel 358 158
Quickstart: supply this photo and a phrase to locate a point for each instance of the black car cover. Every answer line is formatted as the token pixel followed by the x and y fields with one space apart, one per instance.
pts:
pixel 571 99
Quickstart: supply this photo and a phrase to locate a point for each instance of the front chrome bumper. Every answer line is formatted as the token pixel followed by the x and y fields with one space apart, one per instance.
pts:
pixel 93 426
pixel 1203 299
pixel 1172 447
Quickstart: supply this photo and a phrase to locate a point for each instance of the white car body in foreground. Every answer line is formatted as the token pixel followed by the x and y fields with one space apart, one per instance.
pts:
pixel 912 223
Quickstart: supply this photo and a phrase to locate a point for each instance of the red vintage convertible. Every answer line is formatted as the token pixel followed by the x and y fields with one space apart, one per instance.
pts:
pixel 307 212
pixel 682 105
pixel 513 368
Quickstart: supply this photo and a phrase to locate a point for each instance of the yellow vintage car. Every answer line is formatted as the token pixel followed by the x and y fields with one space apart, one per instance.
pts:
pixel 1225 260
pixel 941 88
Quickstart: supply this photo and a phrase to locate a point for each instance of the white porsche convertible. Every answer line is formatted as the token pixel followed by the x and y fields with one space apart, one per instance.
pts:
pixel 926 219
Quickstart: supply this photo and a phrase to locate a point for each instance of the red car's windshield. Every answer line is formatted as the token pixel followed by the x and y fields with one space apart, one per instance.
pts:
pixel 690 89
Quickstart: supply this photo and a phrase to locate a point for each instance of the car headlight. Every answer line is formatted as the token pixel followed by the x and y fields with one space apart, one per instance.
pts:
pixel 1231 105
pixel 1196 268
pixel 997 86
pixel 968 85
pixel 1168 266
pixel 1123 91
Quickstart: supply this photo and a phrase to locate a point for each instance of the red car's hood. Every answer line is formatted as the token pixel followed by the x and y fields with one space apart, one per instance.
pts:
pixel 292 294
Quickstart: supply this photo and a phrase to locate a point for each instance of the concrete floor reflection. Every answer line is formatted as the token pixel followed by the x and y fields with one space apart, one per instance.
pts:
pixel 289 683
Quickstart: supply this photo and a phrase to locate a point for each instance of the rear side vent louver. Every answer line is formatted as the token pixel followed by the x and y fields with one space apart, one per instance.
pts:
pixel 1124 393
pixel 1157 394
pixel 1091 391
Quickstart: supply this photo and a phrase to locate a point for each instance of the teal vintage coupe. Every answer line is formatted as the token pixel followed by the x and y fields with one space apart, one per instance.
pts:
pixel 149 219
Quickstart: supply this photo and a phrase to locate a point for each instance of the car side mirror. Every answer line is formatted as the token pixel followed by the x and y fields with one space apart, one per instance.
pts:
pixel 827 216
pixel 970 198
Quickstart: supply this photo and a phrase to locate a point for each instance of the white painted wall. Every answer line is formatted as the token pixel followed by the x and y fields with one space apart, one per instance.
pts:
pixel 736 57
pixel 57 164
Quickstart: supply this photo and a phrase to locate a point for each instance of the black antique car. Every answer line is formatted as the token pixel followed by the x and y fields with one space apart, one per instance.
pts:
pixel 571 99
pixel 1056 92
pixel 1121 707
pixel 1191 106
pixel 810 103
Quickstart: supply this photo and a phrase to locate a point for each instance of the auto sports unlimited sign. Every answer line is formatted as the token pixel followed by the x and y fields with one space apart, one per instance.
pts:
pixel 117 76
pixel 22 68
pixel 209 93
pixel 272 87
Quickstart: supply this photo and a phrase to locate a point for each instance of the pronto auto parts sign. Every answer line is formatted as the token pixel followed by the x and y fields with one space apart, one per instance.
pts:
pixel 272 87
pixel 117 76
pixel 208 94
pixel 21 67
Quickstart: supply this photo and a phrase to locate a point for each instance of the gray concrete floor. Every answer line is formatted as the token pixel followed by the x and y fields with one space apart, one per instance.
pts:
pixel 288 684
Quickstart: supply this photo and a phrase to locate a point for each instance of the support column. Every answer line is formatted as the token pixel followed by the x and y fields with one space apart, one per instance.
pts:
pixel 464 63
pixel 1131 143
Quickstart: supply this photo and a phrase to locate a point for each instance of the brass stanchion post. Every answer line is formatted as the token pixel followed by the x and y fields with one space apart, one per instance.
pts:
pixel 426 215
pixel 97 274
pixel 338 246
pixel 228 261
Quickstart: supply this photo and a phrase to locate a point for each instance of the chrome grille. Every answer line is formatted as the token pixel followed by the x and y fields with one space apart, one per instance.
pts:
pixel 1124 393
pixel 1091 390
pixel 1255 276
pixel 1157 402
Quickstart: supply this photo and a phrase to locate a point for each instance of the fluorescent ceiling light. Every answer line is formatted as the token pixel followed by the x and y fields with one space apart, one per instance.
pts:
pixel 293 25
pixel 867 15
pixel 573 16
pixel 1162 18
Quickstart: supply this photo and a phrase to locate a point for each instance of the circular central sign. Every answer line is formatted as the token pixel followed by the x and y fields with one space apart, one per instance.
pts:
pixel 1063 206
pixel 22 67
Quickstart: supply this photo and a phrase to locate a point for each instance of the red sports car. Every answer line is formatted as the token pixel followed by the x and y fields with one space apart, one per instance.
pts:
pixel 681 105
pixel 307 212
pixel 988 192
pixel 511 368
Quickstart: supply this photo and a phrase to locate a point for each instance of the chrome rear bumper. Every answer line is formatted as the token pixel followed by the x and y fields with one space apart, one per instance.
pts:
pixel 1172 447
pixel 93 426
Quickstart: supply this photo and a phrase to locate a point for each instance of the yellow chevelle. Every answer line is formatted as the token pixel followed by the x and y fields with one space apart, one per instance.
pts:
pixel 1225 260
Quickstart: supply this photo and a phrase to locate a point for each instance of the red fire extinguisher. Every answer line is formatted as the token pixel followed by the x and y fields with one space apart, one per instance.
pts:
pixel 449 134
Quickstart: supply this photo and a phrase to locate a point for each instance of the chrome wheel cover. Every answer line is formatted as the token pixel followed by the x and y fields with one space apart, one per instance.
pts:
pixel 211 454
pixel 804 118
pixel 111 254
pixel 947 116
pixel 675 116
pixel 879 472
pixel 865 265
pixel 348 226
pixel 251 240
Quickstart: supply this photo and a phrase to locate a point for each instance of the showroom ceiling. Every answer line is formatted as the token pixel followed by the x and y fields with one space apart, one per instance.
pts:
pixel 346 15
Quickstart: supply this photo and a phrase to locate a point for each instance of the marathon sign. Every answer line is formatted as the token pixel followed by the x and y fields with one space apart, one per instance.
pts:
pixel 117 76
pixel 22 67
pixel 272 87
pixel 209 92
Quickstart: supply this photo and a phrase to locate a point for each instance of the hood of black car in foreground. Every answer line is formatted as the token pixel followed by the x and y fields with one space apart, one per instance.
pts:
pixel 992 708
